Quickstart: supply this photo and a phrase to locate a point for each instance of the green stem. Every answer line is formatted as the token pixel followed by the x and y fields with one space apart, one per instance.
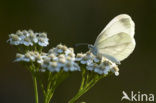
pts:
pixel 77 96
pixel 35 88
pixel 46 97
pixel 50 87
pixel 50 95
pixel 81 92
pixel 83 79
pixel 54 80
pixel 86 84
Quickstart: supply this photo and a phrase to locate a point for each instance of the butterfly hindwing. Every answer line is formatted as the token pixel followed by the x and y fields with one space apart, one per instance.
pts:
pixel 119 46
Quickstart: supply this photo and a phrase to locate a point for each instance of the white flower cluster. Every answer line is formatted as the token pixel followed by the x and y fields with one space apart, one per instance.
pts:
pixel 28 38
pixel 59 58
pixel 31 56
pixel 97 64
pixel 56 59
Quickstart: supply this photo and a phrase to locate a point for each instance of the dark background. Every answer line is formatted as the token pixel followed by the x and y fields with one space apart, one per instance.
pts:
pixel 75 21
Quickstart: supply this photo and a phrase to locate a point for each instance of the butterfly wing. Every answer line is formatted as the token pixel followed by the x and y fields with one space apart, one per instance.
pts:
pixel 117 38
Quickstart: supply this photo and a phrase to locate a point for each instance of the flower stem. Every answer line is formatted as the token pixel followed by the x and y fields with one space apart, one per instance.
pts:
pixel 35 88
pixel 50 87
pixel 83 79
pixel 81 92
pixel 48 96
pixel 87 82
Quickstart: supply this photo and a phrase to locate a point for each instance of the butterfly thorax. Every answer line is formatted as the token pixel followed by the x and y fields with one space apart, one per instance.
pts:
pixel 92 49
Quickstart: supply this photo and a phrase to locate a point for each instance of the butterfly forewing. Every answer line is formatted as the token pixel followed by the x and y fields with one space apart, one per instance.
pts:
pixel 117 39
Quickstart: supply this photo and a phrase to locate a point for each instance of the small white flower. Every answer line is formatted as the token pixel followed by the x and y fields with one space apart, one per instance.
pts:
pixel 71 66
pixel 27 42
pixel 86 60
pixel 91 67
pixel 39 59
pixel 19 57
pixel 43 41
pixel 30 55
pixel 67 51
pixel 117 73
pixel 14 39
pixel 96 59
pixel 79 57
pixel 59 50
pixel 106 70
pixel 97 70
pixel 20 34
pixel 53 67
pixel 72 55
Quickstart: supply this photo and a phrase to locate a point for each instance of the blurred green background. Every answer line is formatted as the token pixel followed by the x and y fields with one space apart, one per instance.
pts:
pixel 76 21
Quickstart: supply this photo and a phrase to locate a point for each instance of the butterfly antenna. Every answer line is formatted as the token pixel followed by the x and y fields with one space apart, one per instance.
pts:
pixel 79 44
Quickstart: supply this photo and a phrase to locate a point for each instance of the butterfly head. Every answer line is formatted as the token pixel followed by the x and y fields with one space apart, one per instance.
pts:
pixel 93 49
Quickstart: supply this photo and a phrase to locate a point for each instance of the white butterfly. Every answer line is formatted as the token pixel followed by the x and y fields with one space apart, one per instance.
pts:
pixel 116 41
